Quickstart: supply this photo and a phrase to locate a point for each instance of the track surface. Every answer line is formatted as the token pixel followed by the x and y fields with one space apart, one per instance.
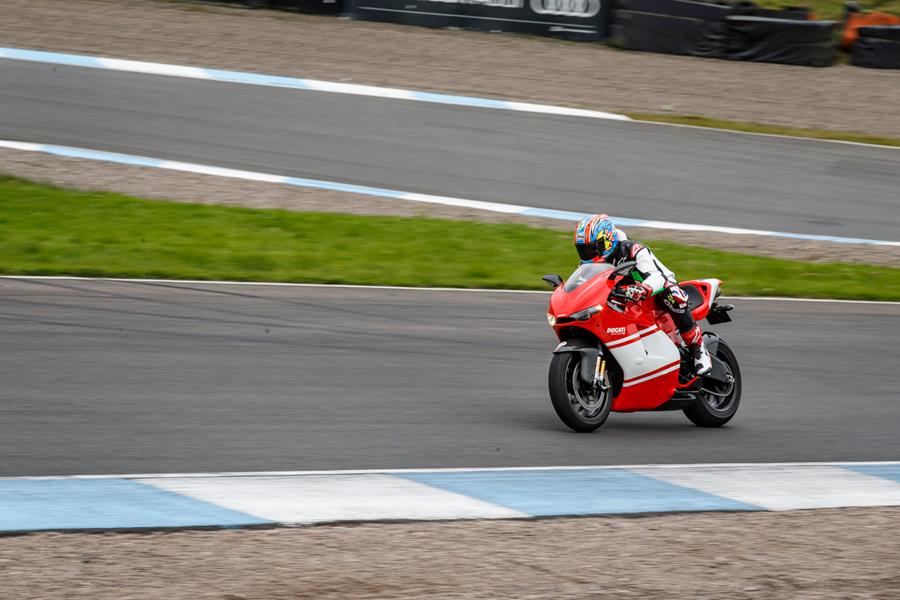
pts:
pixel 628 169
pixel 115 377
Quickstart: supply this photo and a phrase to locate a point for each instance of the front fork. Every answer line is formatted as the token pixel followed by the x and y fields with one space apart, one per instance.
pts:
pixel 600 373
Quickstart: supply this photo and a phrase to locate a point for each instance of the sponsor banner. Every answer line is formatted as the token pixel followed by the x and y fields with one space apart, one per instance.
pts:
pixel 573 19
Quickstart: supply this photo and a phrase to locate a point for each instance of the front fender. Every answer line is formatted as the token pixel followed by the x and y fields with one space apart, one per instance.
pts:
pixel 590 351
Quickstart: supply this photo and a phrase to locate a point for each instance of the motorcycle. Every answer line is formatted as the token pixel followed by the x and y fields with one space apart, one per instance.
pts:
pixel 622 356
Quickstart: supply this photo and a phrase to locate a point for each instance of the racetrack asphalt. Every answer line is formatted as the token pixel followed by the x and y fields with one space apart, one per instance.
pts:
pixel 628 169
pixel 145 377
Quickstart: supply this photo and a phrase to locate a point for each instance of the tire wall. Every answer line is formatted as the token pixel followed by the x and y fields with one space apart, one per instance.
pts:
pixel 785 41
pixel 716 31
pixel 877 48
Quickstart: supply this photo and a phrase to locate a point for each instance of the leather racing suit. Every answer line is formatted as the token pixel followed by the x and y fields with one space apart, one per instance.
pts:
pixel 661 283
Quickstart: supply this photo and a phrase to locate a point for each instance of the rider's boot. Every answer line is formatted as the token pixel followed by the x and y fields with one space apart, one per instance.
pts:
pixel 702 360
pixel 694 339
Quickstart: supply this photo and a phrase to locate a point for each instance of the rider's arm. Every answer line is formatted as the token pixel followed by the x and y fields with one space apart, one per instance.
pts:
pixel 649 269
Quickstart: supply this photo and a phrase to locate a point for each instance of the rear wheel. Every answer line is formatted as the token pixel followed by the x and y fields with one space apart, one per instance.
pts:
pixel 718 401
pixel 581 406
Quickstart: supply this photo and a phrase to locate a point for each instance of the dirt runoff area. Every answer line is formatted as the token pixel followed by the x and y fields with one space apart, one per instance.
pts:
pixel 848 553
pixel 497 65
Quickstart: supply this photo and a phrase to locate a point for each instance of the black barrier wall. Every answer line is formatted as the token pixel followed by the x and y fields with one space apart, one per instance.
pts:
pixel 877 48
pixel 573 19
pixel 785 41
pixel 310 6
pixel 671 27
pixel 744 32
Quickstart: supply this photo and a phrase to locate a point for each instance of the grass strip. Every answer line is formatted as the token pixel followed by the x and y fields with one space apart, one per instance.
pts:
pixel 819 134
pixel 51 231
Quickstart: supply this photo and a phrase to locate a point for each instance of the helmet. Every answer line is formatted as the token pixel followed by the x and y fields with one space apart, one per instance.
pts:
pixel 596 237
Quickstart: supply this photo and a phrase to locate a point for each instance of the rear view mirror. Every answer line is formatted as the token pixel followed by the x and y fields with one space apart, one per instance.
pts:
pixel 553 281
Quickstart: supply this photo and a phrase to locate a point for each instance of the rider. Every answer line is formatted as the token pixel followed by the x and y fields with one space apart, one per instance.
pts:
pixel 597 239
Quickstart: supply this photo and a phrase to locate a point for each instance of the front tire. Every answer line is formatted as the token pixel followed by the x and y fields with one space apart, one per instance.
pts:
pixel 579 406
pixel 718 402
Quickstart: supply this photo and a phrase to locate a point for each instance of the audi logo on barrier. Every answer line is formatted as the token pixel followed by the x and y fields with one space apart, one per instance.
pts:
pixel 567 8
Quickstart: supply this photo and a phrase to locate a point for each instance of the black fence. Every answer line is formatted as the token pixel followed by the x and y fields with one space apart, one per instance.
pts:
pixel 742 32
pixel 310 6
pixel 737 31
pixel 573 19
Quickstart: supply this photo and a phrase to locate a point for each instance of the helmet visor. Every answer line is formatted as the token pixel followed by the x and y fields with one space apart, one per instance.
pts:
pixel 587 252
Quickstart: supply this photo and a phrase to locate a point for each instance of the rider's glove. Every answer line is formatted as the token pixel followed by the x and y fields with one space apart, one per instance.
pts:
pixel 637 292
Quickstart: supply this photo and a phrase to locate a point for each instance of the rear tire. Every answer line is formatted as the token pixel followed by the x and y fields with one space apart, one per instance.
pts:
pixel 581 408
pixel 712 409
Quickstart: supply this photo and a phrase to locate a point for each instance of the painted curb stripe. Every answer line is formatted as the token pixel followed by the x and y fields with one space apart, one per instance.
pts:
pixel 314 85
pixel 261 499
pixel 578 492
pixel 787 487
pixel 334 498
pixel 498 207
pixel 111 503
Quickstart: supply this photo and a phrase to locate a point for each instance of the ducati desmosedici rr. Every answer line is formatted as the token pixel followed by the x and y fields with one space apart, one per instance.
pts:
pixel 625 356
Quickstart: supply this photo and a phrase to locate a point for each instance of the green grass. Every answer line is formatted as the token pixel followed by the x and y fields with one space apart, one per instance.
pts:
pixel 45 230
pixel 821 134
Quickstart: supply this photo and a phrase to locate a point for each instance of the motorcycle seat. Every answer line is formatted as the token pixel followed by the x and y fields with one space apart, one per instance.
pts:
pixel 695 297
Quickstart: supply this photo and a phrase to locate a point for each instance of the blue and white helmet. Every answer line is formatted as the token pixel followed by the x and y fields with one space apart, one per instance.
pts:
pixel 596 237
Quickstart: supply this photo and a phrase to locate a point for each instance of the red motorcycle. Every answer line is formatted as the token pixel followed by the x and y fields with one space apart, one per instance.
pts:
pixel 616 355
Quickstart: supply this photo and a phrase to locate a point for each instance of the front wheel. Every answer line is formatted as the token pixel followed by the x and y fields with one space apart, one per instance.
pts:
pixel 718 401
pixel 581 406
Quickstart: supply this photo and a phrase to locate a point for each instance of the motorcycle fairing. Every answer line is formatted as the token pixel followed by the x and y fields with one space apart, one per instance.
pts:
pixel 707 291
pixel 650 363
pixel 642 339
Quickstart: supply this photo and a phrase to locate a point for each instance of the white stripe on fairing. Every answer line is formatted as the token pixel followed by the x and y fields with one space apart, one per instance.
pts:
pixel 784 487
pixel 633 336
pixel 333 497
pixel 652 376
pixel 499 207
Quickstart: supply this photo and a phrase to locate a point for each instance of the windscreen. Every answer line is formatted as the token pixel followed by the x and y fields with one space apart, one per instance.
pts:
pixel 585 273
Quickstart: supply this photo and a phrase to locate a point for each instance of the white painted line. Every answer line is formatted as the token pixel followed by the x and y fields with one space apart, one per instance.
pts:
pixel 821 300
pixel 390 287
pixel 240 77
pixel 221 172
pixel 771 135
pixel 390 471
pixel 785 487
pixel 333 497
pixel 149 68
pixel 334 87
